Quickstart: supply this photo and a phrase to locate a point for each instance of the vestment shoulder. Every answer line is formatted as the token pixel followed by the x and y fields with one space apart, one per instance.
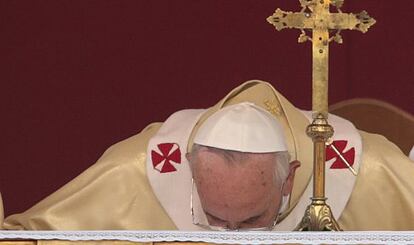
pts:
pixel 114 193
pixel 383 194
pixel 130 148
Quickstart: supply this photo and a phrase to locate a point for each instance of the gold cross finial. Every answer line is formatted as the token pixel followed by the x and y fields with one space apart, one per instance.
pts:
pixel 315 16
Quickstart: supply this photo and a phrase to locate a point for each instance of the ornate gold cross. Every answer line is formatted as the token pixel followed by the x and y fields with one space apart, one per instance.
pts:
pixel 315 16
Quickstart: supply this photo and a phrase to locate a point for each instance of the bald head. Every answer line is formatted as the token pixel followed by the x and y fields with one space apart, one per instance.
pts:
pixel 238 190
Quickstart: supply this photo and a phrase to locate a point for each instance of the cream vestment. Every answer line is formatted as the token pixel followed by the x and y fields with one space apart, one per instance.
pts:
pixel 144 182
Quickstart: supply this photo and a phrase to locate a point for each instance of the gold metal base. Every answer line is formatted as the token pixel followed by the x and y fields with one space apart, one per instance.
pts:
pixel 318 217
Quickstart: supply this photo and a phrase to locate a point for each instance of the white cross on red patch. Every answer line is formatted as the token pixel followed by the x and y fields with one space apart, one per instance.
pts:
pixel 165 156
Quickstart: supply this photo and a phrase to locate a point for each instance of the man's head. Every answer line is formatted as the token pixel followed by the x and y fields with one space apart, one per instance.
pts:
pixel 241 190
pixel 241 167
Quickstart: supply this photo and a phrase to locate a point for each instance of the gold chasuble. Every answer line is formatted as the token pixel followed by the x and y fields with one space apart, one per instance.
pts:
pixel 116 193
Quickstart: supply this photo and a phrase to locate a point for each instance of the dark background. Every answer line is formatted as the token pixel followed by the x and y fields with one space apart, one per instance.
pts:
pixel 79 75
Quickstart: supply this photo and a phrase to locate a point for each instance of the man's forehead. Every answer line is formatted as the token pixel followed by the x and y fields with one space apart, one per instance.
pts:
pixel 236 161
pixel 249 175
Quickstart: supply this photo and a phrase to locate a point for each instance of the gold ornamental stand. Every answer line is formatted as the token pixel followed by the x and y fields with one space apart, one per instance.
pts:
pixel 315 16
pixel 318 215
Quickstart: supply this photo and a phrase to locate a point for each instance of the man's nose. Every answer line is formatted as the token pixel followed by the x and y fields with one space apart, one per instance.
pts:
pixel 233 225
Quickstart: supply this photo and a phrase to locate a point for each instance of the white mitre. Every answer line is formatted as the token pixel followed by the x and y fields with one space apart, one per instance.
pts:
pixel 242 127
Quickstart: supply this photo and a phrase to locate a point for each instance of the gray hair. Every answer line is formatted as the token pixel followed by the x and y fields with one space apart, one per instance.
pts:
pixel 282 159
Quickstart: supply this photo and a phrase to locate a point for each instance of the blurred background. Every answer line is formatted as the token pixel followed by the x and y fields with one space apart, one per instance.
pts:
pixel 79 75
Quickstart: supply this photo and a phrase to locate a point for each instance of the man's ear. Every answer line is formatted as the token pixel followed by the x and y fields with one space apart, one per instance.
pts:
pixel 288 186
pixel 188 156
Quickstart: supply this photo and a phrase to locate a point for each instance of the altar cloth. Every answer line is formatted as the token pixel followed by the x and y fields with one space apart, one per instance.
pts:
pixel 349 237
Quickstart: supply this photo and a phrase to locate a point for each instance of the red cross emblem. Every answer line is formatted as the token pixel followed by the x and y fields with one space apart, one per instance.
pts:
pixel 348 155
pixel 164 157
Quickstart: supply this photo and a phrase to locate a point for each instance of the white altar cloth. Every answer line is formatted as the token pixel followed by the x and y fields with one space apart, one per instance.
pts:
pixel 354 237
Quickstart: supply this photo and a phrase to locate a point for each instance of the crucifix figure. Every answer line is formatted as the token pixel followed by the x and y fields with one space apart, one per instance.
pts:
pixel 315 16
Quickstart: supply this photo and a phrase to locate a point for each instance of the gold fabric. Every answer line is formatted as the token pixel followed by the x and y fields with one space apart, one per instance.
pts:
pixel 1 211
pixel 383 196
pixel 115 193
pixel 18 242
